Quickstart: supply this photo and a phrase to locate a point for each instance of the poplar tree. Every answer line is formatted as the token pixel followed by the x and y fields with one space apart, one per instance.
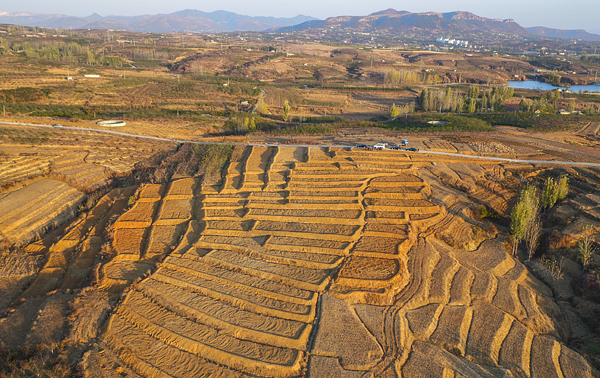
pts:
pixel 522 215
pixel 394 111
pixel 563 187
pixel 286 110
pixel 549 193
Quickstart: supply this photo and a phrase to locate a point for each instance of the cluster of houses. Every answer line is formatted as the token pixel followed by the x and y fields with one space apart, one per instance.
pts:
pixel 455 42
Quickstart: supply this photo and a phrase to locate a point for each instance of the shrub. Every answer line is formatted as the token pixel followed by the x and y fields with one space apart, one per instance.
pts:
pixel 586 247
pixel 261 106
pixel 552 267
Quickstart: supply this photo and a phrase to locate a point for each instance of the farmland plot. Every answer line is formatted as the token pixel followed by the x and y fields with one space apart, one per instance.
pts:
pixel 257 269
pixel 337 246
pixel 156 221
pixel 31 210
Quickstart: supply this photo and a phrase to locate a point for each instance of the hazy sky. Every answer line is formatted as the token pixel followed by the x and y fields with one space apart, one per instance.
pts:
pixel 581 14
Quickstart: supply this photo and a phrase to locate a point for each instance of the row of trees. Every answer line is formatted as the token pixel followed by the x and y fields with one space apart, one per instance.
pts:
pixel 60 52
pixel 242 126
pixel 407 77
pixel 442 101
pixel 402 77
pixel 447 101
pixel 396 111
pixel 525 217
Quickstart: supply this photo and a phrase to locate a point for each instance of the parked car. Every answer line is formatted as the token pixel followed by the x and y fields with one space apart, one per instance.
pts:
pixel 57 125
pixel 396 148
pixel 361 146
pixel 412 149
pixel 380 146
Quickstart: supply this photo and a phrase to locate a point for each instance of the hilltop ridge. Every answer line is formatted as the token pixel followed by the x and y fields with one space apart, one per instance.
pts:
pixel 187 20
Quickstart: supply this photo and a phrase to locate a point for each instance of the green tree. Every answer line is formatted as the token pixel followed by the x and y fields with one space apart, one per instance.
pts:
pixel 474 91
pixel 572 106
pixel 261 106
pixel 555 96
pixel 472 105
pixel 549 193
pixel 394 111
pixel 484 102
pixel 286 110
pixel 563 188
pixel 554 78
pixel 424 99
pixel 523 105
pixel 522 214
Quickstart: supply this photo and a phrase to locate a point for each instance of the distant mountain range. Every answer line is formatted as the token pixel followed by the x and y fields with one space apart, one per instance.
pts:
pixel 390 20
pixel 442 23
pixel 188 20
pixel 564 34
pixel 398 21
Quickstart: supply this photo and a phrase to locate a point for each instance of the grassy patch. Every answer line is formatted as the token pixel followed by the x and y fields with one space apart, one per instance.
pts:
pixel 541 122
pixel 304 129
pixel 321 103
pixel 213 158
pixel 418 123
pixel 22 95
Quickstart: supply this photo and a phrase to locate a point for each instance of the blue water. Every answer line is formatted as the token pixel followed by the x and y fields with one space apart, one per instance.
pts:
pixel 594 88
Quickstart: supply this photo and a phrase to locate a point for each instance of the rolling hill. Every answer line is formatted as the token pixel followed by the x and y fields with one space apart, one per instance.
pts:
pixel 402 21
pixel 564 34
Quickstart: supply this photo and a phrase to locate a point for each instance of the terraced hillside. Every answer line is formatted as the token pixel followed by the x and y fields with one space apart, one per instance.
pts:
pixel 45 175
pixel 28 211
pixel 325 263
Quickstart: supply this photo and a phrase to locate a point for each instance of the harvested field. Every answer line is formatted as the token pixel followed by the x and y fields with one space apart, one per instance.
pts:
pixel 264 255
pixel 175 211
pixel 22 218
pixel 19 167
pixel 163 239
pixel 140 215
pixel 129 243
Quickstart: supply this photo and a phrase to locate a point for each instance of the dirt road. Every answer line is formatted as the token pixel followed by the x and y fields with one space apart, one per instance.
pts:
pixel 573 152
